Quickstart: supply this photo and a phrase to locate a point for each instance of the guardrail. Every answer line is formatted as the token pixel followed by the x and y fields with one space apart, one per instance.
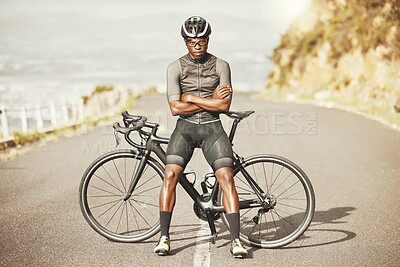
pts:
pixel 46 118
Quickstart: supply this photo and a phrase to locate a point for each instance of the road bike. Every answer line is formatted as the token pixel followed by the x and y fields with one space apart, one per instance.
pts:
pixel 119 192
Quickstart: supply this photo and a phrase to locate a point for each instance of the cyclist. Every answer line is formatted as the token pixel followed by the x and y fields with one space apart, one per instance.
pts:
pixel 198 90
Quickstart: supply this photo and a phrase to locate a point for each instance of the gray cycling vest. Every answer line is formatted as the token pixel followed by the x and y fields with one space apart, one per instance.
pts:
pixel 197 77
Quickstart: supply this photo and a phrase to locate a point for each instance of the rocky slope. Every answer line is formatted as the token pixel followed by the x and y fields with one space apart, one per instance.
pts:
pixel 346 51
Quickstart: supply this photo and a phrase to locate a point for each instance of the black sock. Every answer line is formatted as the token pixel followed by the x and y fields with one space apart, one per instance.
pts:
pixel 234 221
pixel 165 221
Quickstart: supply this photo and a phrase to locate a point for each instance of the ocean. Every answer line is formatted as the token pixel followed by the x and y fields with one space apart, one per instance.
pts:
pixel 51 55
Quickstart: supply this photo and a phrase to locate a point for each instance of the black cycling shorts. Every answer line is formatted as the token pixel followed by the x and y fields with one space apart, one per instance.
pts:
pixel 210 137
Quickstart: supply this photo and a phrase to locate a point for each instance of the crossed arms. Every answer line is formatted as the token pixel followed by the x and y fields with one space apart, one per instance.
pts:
pixel 189 104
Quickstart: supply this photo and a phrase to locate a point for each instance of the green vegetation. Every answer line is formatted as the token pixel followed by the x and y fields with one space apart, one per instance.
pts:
pixel 26 138
pixel 98 90
pixel 346 49
pixel 101 89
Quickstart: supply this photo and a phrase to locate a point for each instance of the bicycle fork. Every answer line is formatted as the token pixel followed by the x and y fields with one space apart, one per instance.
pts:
pixel 138 174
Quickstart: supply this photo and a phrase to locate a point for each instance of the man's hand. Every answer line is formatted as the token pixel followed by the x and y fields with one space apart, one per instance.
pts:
pixel 185 98
pixel 222 91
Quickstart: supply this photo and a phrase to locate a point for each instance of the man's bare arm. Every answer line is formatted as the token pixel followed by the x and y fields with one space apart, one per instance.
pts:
pixel 180 108
pixel 220 102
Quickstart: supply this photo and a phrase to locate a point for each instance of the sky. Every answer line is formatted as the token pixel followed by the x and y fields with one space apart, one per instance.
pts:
pixel 132 41
pixel 283 10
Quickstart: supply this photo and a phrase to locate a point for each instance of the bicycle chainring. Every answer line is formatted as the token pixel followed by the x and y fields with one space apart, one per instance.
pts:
pixel 200 213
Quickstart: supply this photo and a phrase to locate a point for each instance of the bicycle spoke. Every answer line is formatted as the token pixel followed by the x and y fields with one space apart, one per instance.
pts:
pixel 297 199
pixel 283 225
pixel 272 171
pixel 146 181
pixel 276 228
pixel 246 212
pixel 259 231
pixel 139 213
pixel 127 217
pixel 104 190
pixel 280 217
pixel 255 225
pixel 301 191
pixel 276 178
pixel 120 217
pixel 303 209
pixel 98 206
pixel 119 175
pixel 100 196
pixel 255 174
pixel 116 202
pixel 283 181
pixel 125 169
pixel 114 214
pixel 251 220
pixel 107 182
pixel 266 179
pixel 135 171
pixel 288 189
pixel 140 204
pixel 133 212
pixel 111 178
pixel 147 190
pixel 243 182
pixel 282 211
pixel 143 202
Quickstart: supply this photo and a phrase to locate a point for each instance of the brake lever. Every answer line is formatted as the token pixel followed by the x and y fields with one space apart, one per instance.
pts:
pixel 117 139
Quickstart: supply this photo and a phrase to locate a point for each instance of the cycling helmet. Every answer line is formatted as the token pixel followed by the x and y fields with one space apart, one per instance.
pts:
pixel 195 27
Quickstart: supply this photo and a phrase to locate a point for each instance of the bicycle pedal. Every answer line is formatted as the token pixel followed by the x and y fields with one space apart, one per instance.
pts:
pixel 213 238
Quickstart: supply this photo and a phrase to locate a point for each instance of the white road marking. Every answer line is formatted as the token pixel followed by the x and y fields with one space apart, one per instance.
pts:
pixel 202 254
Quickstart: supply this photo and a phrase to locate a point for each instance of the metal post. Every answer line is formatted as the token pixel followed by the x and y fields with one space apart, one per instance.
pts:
pixel 111 100
pixel 74 113
pixel 65 114
pixel 24 120
pixel 81 112
pixel 39 119
pixel 4 123
pixel 53 113
pixel 97 105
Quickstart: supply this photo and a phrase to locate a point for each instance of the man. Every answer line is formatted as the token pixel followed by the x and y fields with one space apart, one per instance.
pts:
pixel 198 89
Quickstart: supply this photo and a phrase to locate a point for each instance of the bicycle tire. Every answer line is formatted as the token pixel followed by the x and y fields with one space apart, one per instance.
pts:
pixel 294 205
pixel 103 187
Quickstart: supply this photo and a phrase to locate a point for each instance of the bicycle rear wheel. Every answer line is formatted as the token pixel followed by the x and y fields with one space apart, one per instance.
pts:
pixel 102 191
pixel 281 210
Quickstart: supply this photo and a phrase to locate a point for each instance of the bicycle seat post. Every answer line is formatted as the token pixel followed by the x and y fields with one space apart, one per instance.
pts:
pixel 233 130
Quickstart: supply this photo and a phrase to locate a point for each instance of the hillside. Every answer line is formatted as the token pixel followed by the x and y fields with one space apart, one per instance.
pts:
pixel 342 51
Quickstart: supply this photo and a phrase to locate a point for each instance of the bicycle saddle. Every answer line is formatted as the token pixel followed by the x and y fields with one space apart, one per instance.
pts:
pixel 239 114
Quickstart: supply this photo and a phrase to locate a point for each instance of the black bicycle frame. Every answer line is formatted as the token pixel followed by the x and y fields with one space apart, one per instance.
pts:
pixel 153 144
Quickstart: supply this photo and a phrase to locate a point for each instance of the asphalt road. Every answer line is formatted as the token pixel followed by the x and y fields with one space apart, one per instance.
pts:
pixel 353 163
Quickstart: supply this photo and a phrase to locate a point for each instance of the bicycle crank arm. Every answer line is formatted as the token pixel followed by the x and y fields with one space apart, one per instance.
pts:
pixel 210 219
pixel 213 238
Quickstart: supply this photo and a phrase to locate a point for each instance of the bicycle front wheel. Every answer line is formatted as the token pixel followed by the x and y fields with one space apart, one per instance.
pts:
pixel 279 209
pixel 102 191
